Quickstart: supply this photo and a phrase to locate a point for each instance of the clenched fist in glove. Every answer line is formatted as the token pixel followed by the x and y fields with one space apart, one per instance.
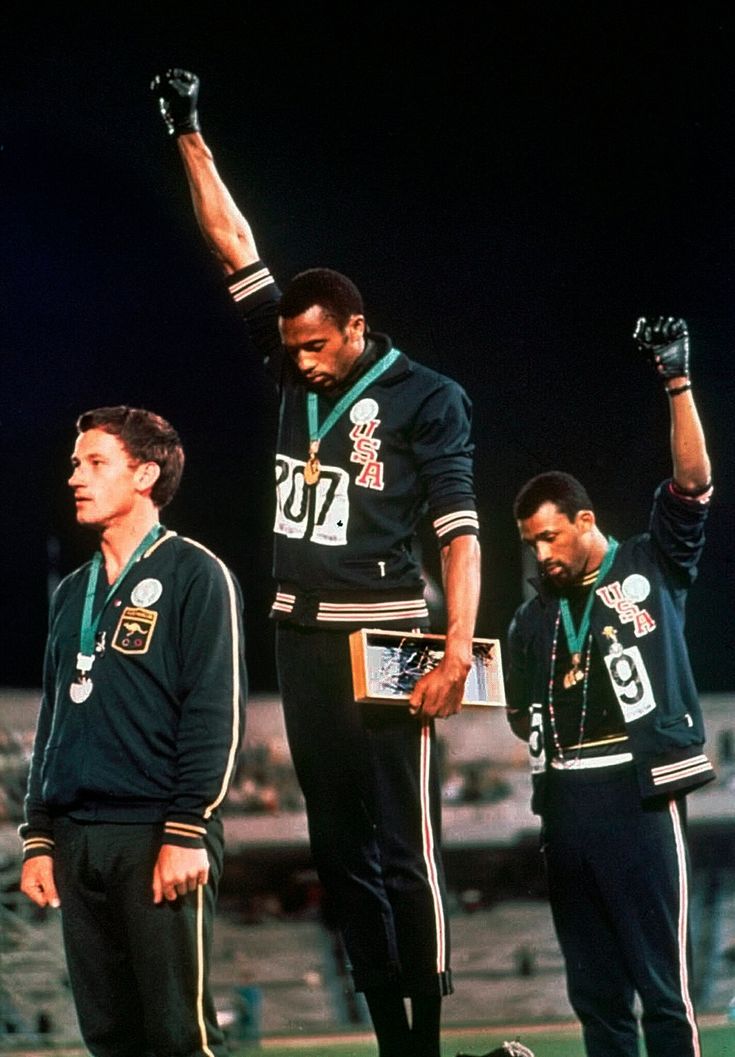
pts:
pixel 508 1049
pixel 665 341
pixel 177 92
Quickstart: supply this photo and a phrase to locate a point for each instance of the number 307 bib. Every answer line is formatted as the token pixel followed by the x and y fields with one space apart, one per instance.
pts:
pixel 318 512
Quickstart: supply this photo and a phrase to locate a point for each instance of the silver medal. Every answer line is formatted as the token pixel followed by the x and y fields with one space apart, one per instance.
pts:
pixel 80 691
pixel 81 688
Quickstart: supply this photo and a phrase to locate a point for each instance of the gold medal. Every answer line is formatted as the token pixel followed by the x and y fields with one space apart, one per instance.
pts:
pixel 312 468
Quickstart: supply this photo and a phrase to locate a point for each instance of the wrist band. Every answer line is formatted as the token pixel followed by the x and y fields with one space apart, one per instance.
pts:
pixel 679 389
pixel 691 493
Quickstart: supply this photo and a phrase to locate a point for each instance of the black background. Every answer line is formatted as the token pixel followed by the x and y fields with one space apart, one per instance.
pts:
pixel 511 186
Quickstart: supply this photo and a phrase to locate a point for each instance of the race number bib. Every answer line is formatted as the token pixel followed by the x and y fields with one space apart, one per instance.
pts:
pixel 318 513
pixel 536 751
pixel 630 682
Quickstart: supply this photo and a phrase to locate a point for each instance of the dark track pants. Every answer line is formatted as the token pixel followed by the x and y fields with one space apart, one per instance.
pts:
pixel 370 779
pixel 138 971
pixel 618 884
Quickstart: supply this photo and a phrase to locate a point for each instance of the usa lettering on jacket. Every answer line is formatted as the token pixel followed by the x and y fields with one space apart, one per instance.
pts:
pixel 615 597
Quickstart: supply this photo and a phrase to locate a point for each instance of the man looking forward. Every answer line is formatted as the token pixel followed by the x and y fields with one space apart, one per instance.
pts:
pixel 138 733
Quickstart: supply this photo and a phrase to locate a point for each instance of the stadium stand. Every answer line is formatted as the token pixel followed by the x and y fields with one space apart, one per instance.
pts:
pixel 278 968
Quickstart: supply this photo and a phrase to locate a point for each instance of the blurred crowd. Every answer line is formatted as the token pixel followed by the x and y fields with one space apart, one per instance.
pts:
pixel 15 753
pixel 264 782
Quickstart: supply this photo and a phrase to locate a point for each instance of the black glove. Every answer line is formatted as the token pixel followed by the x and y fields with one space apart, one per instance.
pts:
pixel 177 91
pixel 666 343
pixel 508 1049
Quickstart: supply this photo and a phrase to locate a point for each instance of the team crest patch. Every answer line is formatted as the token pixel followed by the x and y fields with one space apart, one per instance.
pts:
pixel 134 630
pixel 636 587
pixel 364 410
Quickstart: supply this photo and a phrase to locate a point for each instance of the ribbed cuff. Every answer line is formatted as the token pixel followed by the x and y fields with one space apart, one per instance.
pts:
pixel 184 833
pixel 36 845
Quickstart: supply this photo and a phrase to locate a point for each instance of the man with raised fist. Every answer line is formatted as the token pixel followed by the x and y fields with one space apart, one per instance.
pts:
pixel 368 442
pixel 600 685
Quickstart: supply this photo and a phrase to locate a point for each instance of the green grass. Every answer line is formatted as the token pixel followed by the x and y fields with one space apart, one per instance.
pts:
pixel 718 1041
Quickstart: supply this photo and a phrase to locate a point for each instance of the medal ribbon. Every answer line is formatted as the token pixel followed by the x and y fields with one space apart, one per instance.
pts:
pixel 89 624
pixel 575 638
pixel 316 432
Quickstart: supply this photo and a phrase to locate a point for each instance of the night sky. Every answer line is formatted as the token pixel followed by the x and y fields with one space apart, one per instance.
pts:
pixel 511 186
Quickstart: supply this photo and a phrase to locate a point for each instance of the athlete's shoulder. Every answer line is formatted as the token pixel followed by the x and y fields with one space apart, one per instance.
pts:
pixel 527 616
pixel 74 581
pixel 196 557
pixel 186 548
pixel 419 390
pixel 435 389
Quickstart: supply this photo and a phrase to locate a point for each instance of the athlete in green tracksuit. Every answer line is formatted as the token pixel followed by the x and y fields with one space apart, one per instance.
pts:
pixel 137 739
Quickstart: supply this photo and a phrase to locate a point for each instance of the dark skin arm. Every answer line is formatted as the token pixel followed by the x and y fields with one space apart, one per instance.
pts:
pixel 664 340
pixel 439 693
pixel 691 464
pixel 225 229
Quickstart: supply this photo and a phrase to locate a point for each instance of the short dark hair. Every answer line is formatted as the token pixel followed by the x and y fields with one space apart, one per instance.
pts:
pixel 332 291
pixel 556 487
pixel 147 438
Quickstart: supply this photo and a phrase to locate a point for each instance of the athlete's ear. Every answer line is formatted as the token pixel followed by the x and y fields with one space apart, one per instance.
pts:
pixel 585 520
pixel 356 325
pixel 146 475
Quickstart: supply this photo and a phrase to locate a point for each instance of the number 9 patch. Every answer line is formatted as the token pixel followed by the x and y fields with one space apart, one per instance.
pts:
pixel 134 630
pixel 630 682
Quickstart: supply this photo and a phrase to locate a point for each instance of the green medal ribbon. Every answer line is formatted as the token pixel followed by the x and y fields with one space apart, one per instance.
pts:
pixel 89 625
pixel 575 638
pixel 316 432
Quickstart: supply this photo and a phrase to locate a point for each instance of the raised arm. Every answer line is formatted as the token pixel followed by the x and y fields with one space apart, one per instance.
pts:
pixel 225 229
pixel 666 342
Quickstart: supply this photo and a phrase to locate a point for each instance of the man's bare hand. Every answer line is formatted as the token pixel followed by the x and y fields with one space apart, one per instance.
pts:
pixel 37 881
pixel 178 871
pixel 439 693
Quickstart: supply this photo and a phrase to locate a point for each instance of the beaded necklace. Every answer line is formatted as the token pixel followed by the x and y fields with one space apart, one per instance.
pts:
pixel 575 640
pixel 550 698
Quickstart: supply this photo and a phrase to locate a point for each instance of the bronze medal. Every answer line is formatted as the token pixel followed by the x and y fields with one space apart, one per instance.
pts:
pixel 575 674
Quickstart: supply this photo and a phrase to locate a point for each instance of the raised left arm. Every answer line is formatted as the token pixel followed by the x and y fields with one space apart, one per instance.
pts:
pixel 665 340
pixel 691 464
